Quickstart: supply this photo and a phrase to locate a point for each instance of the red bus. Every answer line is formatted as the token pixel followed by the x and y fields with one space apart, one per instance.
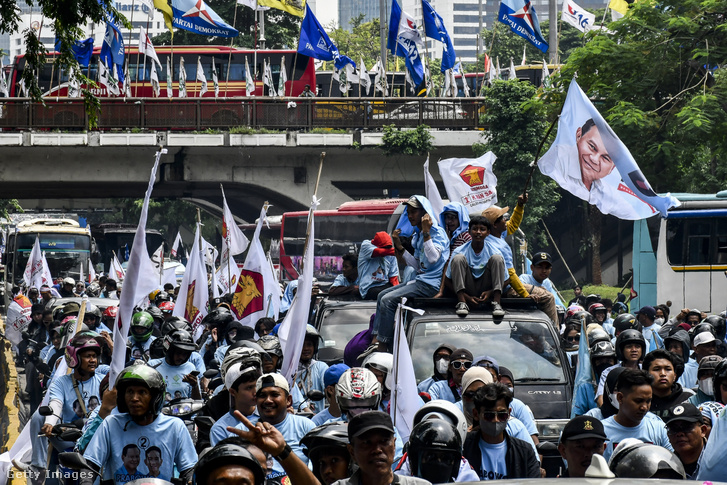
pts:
pixel 337 232
pixel 299 68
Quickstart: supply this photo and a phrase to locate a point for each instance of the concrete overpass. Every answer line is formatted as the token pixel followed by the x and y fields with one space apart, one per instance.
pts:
pixel 280 168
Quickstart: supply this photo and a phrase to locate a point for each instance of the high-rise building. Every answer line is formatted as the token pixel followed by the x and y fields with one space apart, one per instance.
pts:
pixel 350 9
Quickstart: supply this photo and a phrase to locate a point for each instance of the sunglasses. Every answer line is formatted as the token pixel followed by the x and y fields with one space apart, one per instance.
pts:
pixel 575 338
pixel 458 364
pixel 675 429
pixel 469 395
pixel 491 415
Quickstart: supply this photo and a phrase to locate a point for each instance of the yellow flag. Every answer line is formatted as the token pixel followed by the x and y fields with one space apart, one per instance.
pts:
pixel 294 7
pixel 621 6
pixel 166 9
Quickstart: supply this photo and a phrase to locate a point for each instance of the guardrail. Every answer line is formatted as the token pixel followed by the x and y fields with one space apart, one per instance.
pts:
pixel 225 113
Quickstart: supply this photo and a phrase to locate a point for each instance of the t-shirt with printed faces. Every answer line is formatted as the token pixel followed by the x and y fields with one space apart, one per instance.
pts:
pixel 493 460
pixel 61 390
pixel 173 376
pixel 127 451
pixel 141 349
pixel 648 431
pixel 374 271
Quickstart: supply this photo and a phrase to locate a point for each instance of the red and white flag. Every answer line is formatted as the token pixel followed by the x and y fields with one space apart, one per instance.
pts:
pixel 194 292
pixel 33 275
pixel 146 47
pixel 175 246
pixel 138 283
pixel 257 293
pixel 116 272
pixel 18 318
pixel 470 181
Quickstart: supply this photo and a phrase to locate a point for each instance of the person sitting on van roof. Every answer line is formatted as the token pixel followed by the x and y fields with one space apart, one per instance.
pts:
pixel 377 266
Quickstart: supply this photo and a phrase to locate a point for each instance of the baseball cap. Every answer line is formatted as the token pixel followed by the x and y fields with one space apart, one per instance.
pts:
pixel 476 374
pixel 648 311
pixel 461 354
pixel 684 412
pixel 69 281
pixel 709 362
pixel 413 202
pixel 505 372
pixel 382 240
pixel 333 374
pixel 234 373
pixel 368 421
pixel 494 212
pixel 704 338
pixel 541 257
pixel 582 427
pixel 271 380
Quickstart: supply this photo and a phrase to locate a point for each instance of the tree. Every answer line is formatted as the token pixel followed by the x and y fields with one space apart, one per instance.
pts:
pixel 516 124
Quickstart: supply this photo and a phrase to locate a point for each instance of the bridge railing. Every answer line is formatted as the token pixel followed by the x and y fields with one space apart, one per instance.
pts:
pixel 257 112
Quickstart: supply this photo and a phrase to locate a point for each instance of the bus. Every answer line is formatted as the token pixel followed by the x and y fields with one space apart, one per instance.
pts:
pixel 533 73
pixel 683 257
pixel 337 232
pixel 67 247
pixel 398 87
pixel 300 71
pixel 110 238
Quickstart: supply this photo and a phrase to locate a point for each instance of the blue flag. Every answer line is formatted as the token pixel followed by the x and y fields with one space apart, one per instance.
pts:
pixel 82 50
pixel 315 43
pixel 402 41
pixel 112 49
pixel 520 15
pixel 197 17
pixel 583 395
pixel 434 28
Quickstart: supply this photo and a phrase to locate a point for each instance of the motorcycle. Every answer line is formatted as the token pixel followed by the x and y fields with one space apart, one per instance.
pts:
pixel 185 409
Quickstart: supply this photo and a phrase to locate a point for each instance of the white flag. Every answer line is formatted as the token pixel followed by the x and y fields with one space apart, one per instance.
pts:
pixel 33 275
pixel 512 75
pixel 283 78
pixel 215 82
pixel 268 79
pixel 3 81
pixel 292 331
pixel 380 81
pixel 170 276
pixel 447 87
pixel 116 272
pixel 431 191
pixel 157 260
pixel 465 87
pixel 491 73
pixel 405 400
pixel 363 76
pixel 91 273
pixel 194 291
pixel 139 281
pixel 498 73
pixel 18 318
pixel 182 78
pixel 74 86
pixel 154 80
pixel 409 80
pixel 255 291
pixel 106 78
pixel 232 236
pixel 47 277
pixel 545 76
pixel 146 47
pixel 454 89
pixel 175 246
pixel 248 3
pixel 470 181
pixel 522 63
pixel 147 6
pixel 201 77
pixel 352 74
pixel 249 81
pixel 127 82
pixel 577 16
pixel 228 273
pixel 170 81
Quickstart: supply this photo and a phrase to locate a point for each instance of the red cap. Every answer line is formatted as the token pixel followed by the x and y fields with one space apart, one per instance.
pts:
pixel 382 240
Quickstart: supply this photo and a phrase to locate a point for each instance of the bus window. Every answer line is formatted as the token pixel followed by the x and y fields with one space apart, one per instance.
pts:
pixel 721 239
pixel 698 242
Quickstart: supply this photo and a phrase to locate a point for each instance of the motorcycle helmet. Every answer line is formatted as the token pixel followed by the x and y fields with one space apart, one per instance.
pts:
pixel 175 323
pixel 82 341
pixel 225 454
pixel 720 375
pixel 358 388
pixel 382 362
pixel 325 439
pixel 312 334
pixel 629 336
pixel 179 340
pixel 626 321
pixel 166 307
pixel 141 375
pixel 441 409
pixel 141 320
pixel 439 437
pixel 635 459
pixel 718 325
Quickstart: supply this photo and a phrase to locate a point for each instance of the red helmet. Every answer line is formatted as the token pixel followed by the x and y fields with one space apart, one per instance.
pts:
pixel 572 310
pixel 596 307
pixel 166 306
pixel 111 312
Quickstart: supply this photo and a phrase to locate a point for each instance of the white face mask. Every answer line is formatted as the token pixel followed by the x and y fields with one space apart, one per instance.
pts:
pixel 707 386
pixel 659 321
pixel 613 399
pixel 441 366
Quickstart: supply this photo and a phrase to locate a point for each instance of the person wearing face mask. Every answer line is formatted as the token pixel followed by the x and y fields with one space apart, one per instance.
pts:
pixel 451 388
pixel 705 376
pixel 441 364
pixel 491 451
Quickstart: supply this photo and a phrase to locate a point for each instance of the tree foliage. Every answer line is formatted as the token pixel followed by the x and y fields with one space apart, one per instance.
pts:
pixel 657 83
pixel 406 142
pixel 516 124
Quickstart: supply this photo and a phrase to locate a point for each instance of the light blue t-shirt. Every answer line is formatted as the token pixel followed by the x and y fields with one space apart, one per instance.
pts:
pixel 426 384
pixel 431 273
pixel 517 429
pixel 167 433
pixel 520 411
pixel 293 428
pixel 309 378
pixel 198 361
pixel 406 275
pixel 608 326
pixel 501 246
pixel 493 460
pixel 173 375
pixel 141 346
pixel 61 390
pixel 374 271
pixel 529 279
pixel 219 429
pixel 441 389
pixel 341 280
pixel 476 261
pixel 689 378
pixel 322 417
pixel 648 431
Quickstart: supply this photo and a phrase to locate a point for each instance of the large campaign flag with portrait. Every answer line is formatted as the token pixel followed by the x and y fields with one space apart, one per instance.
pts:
pixel 522 19
pixel 470 181
pixel 589 161
pixel 197 17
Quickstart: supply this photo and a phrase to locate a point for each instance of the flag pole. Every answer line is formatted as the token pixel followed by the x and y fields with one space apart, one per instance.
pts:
pixel 229 57
pixel 126 57
pixel 540 147
pixel 227 240
pixel 330 86
pixel 292 79
pixel 315 194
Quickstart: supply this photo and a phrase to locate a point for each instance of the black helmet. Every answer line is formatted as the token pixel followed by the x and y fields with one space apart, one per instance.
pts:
pixel 224 454
pixel 156 349
pixel 720 375
pixel 602 349
pixel 179 340
pixel 718 324
pixel 626 321
pixel 435 435
pixel 629 336
pixel 245 344
pixel 271 345
pixel 699 328
pixel 155 312
pixel 93 310
pixel 142 320
pixel 141 375
pixel 162 296
pixel 597 334
pixel 175 323
pixel 219 318
pixel 323 439
pixel 312 334
pixel 635 459
pixel 576 317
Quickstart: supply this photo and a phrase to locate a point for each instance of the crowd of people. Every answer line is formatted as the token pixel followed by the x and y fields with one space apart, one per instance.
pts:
pixel 660 381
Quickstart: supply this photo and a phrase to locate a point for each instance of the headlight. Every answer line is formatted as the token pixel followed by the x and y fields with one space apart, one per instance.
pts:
pixel 550 429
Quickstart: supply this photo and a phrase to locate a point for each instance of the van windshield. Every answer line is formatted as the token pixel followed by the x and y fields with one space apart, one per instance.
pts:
pixel 527 348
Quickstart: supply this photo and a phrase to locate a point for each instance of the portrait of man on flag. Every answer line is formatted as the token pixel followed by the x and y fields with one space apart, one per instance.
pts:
pixel 589 161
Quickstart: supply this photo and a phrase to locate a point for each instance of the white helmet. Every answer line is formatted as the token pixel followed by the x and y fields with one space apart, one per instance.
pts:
pixel 358 388
pixel 382 362
pixel 441 409
pixel 250 357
